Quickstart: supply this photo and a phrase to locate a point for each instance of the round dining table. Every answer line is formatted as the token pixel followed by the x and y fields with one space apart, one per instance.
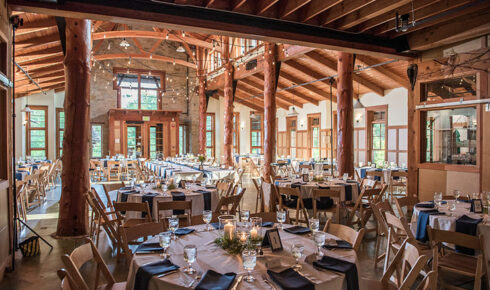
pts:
pixel 212 257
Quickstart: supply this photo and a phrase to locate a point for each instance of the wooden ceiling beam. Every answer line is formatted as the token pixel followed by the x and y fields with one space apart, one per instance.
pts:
pixel 39 50
pixel 368 61
pixel 40 74
pixel 260 87
pixel 39 40
pixel 288 7
pixel 342 9
pixel 38 79
pixel 291 93
pixel 316 7
pixel 310 87
pixel 30 86
pixel 264 5
pixel 50 59
pixel 250 93
pixel 244 100
pixel 146 56
pixel 37 90
pixel 42 22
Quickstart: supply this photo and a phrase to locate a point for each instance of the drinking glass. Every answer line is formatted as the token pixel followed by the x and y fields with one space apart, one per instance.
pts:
pixel 457 194
pixel 314 225
pixel 452 206
pixel 438 198
pixel 249 259
pixel 190 254
pixel 345 176
pixel 207 216
pixel 245 215
pixel 319 238
pixel 164 239
pixel 173 225
pixel 281 218
pixel 297 251
pixel 476 195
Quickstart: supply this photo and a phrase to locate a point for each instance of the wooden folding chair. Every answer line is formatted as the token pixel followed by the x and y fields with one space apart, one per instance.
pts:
pixel 398 179
pixel 113 170
pixel 82 255
pixel 258 187
pixel 197 219
pixel 346 233
pixel 379 210
pixel 229 204
pixel 318 207
pixel 405 205
pixel 271 201
pixel 224 188
pixel 122 209
pixel 456 263
pixel 67 282
pixel 406 271
pixel 102 218
pixel 141 231
pixel 293 199
pixel 305 166
pixel 368 183
pixel 185 205
pixel 361 211
pixel 376 175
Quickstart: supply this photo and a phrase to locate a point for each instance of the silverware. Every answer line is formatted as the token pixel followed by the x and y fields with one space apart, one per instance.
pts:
pixel 196 279
pixel 167 273
pixel 237 282
pixel 266 280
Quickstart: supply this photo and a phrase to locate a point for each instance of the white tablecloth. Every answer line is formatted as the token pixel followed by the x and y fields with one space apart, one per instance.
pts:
pixel 196 197
pixel 307 189
pixel 211 257
pixel 189 170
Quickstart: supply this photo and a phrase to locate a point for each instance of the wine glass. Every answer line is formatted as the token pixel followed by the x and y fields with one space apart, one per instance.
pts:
pixel 314 225
pixel 438 198
pixel 173 225
pixel 190 254
pixel 249 259
pixel 207 216
pixel 245 215
pixel 457 194
pixel 345 176
pixel 452 206
pixel 281 218
pixel 319 238
pixel 297 251
pixel 164 239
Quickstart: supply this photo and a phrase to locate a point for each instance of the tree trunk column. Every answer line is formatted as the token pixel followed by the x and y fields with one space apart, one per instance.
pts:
pixel 345 114
pixel 228 125
pixel 73 213
pixel 269 108
pixel 202 114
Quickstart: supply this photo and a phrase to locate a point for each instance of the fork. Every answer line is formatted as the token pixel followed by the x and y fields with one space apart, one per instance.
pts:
pixel 196 279
pixel 266 280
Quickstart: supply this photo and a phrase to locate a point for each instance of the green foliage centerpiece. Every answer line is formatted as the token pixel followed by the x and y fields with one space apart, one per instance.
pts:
pixel 234 243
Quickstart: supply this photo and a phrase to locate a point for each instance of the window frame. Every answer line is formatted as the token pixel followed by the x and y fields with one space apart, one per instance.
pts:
pixel 311 117
pixel 183 142
pixel 370 111
pixel 139 73
pixel 213 134
pixel 261 142
pixel 29 149
pixel 101 138
pixel 59 145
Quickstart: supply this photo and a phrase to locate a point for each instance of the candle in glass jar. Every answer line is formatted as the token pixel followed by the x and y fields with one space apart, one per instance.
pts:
pixel 228 230
pixel 243 237
pixel 253 232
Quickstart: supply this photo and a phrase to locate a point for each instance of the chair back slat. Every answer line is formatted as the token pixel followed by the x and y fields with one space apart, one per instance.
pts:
pixel 460 239
pixel 346 233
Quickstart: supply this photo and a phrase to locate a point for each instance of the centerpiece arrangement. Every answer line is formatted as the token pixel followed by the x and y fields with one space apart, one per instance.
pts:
pixel 233 241
pixel 201 159
pixel 171 184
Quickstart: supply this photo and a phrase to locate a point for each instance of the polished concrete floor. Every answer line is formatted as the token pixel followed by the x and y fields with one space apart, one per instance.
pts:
pixel 40 272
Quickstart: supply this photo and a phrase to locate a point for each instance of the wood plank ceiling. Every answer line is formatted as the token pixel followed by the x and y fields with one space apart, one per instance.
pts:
pixel 39 48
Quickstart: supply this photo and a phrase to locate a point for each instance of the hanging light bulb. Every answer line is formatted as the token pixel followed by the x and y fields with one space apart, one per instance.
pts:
pixel 151 56
pixel 174 61
pixel 183 33
pixel 180 49
pixel 109 46
pixel 124 43
pixel 129 61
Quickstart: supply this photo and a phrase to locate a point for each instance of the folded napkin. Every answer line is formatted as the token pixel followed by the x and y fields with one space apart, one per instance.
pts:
pixel 422 222
pixel 425 205
pixel 215 281
pixel 338 244
pixel 297 184
pixel 290 280
pixel 178 196
pixel 267 224
pixel 124 195
pixel 297 230
pixel 183 231
pixel 216 225
pixel 148 247
pixel 465 200
pixel 206 195
pixel 348 190
pixel 126 188
pixel 210 187
pixel 467 225
pixel 348 268
pixel 146 272
pixel 148 197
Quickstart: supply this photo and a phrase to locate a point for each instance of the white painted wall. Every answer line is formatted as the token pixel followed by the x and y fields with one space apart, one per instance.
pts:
pixel 52 100
pixel 323 108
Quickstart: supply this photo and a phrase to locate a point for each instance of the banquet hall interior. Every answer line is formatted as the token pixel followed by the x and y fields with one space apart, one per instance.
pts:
pixel 268 144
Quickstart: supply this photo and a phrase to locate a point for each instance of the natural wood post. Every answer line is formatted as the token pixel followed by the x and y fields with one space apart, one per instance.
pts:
pixel 345 114
pixel 413 143
pixel 228 116
pixel 270 55
pixel 201 76
pixel 73 212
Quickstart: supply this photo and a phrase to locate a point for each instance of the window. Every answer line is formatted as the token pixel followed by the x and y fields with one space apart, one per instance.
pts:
pixel 451 136
pixel 182 139
pixel 450 88
pixel 256 133
pixel 96 140
pixel 60 130
pixel 236 133
pixel 291 127
pixel 210 135
pixel 133 138
pixel 37 132
pixel 139 90
pixel 378 146
pixel 314 123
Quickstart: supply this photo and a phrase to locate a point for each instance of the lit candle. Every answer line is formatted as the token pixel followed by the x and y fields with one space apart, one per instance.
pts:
pixel 254 233
pixel 243 237
pixel 228 230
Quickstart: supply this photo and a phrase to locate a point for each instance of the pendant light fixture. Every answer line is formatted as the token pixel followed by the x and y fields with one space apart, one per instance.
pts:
pixel 293 110
pixel 253 116
pixel 180 49
pixel 124 43
pixel 27 109
pixel 358 104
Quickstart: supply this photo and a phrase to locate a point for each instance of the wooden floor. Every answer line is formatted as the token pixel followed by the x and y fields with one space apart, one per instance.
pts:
pixel 40 272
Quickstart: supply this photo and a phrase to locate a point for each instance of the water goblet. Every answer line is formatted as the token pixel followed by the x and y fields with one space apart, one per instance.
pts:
pixel 452 206
pixel 281 218
pixel 190 254
pixel 297 251
pixel 173 225
pixel 345 176
pixel 457 194
pixel 207 216
pixel 245 215
pixel 319 238
pixel 249 259
pixel 164 240
pixel 314 225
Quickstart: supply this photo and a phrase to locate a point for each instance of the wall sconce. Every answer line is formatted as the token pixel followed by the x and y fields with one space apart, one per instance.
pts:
pixel 242 125
pixel 358 118
pixel 301 123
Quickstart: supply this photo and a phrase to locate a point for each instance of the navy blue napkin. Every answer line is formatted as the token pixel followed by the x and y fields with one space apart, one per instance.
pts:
pixel 341 244
pixel 148 247
pixel 267 224
pixel 425 205
pixel 348 190
pixel 297 184
pixel 183 231
pixel 206 195
pixel 178 196
pixel 297 230
pixel 469 226
pixel 216 225
pixel 422 222
pixel 124 195
pixel 348 268
pixel 215 281
pixel 148 198
pixel 210 187
pixel 290 280
pixel 146 272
